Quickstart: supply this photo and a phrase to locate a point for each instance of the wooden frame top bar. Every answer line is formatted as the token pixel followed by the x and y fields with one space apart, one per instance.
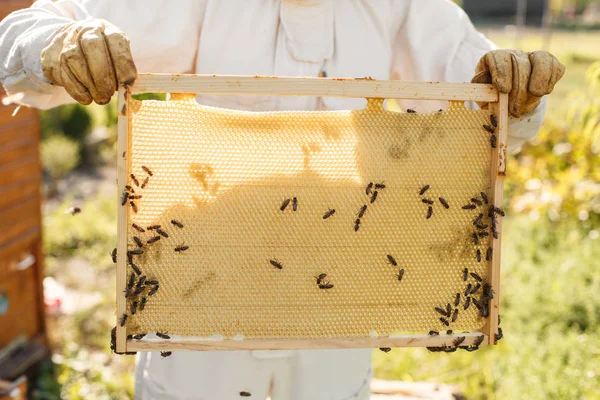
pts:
pixel 309 86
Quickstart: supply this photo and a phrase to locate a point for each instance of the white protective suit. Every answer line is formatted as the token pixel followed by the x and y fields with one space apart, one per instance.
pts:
pixel 429 40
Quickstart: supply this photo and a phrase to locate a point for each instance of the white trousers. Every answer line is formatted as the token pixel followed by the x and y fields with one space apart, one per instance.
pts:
pixel 284 375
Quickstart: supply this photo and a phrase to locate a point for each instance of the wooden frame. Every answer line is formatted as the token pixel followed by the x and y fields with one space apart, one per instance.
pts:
pixel 324 87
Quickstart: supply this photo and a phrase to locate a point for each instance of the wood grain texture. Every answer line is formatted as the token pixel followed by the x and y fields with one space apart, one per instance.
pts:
pixel 324 87
pixel 123 161
pixel 296 344
pixel 498 171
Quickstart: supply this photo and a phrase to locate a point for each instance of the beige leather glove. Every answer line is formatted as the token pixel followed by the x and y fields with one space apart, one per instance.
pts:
pixel 89 59
pixel 526 77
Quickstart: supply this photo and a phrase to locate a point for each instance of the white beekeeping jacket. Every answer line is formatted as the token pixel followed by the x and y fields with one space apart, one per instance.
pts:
pixel 429 40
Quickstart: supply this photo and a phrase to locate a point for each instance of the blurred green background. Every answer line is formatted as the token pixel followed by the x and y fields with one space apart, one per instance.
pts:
pixel 550 305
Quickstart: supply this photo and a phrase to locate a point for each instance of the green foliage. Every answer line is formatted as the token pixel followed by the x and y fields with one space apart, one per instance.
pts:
pixel 90 235
pixel 550 318
pixel 72 120
pixel 60 155
pixel 557 175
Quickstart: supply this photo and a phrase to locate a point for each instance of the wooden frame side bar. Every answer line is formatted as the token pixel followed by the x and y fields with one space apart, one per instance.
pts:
pixel 299 344
pixel 123 160
pixel 497 173
pixel 308 86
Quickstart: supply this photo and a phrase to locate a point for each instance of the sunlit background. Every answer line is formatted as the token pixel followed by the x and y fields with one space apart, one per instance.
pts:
pixel 550 305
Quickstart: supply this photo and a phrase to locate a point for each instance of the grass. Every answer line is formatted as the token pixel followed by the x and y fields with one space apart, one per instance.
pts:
pixel 550 308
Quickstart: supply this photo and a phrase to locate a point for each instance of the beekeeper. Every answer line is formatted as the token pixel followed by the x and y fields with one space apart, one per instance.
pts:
pixel 55 52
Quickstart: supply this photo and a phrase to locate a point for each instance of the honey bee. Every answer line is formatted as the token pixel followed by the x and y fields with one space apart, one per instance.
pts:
pixel 380 185
pixel 494 121
pixel 362 211
pixel 135 269
pixel 328 213
pixel 468 290
pixel 135 197
pixel 369 188
pixel 244 393
pixel 429 212
pixel 153 227
pixel 385 349
pixel 456 342
pixel 133 207
pixel 427 201
pixel 124 198
pixel 113 255
pixel 138 336
pixel 499 335
pixel 484 197
pixel 483 234
pixel 165 353
pixel 325 285
pixel 477 220
pixel 153 239
pixel 457 300
pixel 465 274
pixel 162 233
pixel 478 255
pixel 475 288
pixel 469 207
pixel 181 248
pixel 478 340
pixel 411 111
pixel 138 241
pixel 141 281
pixel 135 252
pixel 163 335
pixel 493 141
pixel 356 224
pixel 374 196
pixel 153 290
pixel 400 274
pixel 134 180
pixel 147 170
pixel 444 321
pixel 498 210
pixel 134 307
pixel 177 223
pixel 320 278
pixel 448 309
pixel 138 228
pixel 476 201
pixel 455 315
pixel 424 189
pixel 123 319
pixel 130 282
pixel 489 128
pixel 449 332
pixel 129 189
pixel 467 303
pixel 475 238
pixel 152 282
pixel 444 202
pixel 145 182
pixel 479 226
pixel 143 303
pixel 433 333
pixel 392 260
pixel 295 204
pixel 284 204
pixel 441 311
pixel 488 292
pixel 488 254
pixel 485 310
pixel 476 303
pixel 276 264
pixel 73 210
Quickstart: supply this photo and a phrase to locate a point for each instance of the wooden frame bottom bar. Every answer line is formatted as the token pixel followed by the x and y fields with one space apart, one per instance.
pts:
pixel 299 344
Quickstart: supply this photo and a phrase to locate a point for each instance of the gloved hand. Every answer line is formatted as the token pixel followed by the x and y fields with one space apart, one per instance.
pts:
pixel 89 59
pixel 526 77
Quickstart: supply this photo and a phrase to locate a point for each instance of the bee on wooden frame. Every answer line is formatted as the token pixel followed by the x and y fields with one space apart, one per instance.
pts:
pixel 400 274
pixel 181 248
pixel 362 210
pixel 177 223
pixel 134 180
pixel 138 228
pixel 133 207
pixel 123 319
pixel 284 204
pixel 444 202
pixel 320 278
pixel 276 264
pixel 147 170
pixel 295 204
pixel 369 188
pixel 429 212
pixel 145 183
pixel 113 255
pixel 165 353
pixel 163 335
pixel 356 224
pixel 374 196
pixel 392 260
pixel 153 239
pixel 385 349
pixel 424 189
